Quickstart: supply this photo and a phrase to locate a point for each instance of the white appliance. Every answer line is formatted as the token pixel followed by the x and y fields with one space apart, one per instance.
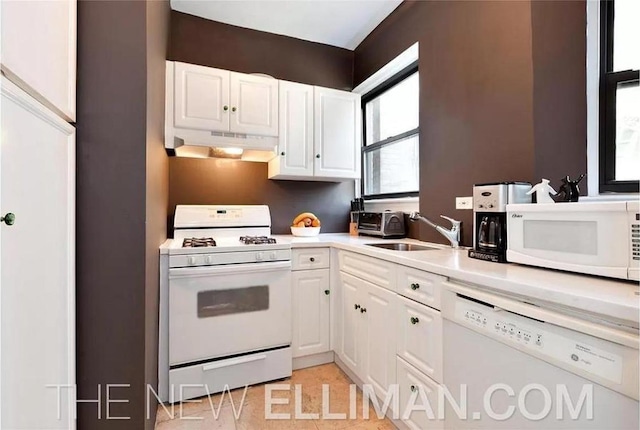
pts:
pixel 491 339
pixel 225 302
pixel 596 238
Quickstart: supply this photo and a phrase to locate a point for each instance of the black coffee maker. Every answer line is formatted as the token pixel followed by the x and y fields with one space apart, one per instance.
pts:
pixel 490 217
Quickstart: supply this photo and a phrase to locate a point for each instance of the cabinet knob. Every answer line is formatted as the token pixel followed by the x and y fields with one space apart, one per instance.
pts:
pixel 225 108
pixel 327 292
pixel 363 310
pixel 312 259
pixel 233 109
pixel 356 307
pixel 282 153
pixel 414 320
pixel 415 286
pixel 317 155
pixel 8 219
pixel 414 388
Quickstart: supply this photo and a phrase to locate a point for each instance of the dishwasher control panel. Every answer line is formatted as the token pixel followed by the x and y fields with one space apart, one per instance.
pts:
pixel 553 343
pixel 504 327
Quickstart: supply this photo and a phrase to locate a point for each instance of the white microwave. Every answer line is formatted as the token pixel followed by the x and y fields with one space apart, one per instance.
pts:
pixel 596 238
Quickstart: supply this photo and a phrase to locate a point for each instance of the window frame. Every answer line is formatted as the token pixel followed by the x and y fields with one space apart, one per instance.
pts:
pixel 383 87
pixel 608 84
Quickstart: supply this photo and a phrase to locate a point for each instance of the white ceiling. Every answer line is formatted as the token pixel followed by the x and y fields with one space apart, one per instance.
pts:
pixel 342 23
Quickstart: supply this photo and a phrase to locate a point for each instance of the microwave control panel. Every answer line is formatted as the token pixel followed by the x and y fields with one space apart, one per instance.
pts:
pixel 635 236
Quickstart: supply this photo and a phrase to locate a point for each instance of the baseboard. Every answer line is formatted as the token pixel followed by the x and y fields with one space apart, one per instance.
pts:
pixel 313 360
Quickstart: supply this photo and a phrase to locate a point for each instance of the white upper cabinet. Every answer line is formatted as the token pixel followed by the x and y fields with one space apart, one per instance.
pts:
pixel 337 132
pixel 201 97
pixel 254 105
pixel 295 147
pixel 320 134
pixel 205 98
pixel 39 56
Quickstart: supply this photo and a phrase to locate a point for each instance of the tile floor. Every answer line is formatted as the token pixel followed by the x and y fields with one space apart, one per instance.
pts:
pixel 199 416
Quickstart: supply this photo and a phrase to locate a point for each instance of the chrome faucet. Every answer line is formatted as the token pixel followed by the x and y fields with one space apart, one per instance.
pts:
pixel 453 235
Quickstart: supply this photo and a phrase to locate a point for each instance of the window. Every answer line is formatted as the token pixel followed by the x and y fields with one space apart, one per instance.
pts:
pixel 619 96
pixel 391 136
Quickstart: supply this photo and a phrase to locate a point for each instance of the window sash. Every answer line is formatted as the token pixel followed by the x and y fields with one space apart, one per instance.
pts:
pixel 609 83
pixel 381 89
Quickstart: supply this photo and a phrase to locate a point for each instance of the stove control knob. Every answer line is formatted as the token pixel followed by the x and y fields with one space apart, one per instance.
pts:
pixel 191 261
pixel 273 256
pixel 208 259
pixel 258 256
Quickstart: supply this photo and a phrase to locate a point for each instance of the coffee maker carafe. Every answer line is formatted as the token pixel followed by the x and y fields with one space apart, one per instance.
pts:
pixel 490 218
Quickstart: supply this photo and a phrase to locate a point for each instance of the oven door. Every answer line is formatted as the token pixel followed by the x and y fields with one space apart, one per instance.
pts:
pixel 218 311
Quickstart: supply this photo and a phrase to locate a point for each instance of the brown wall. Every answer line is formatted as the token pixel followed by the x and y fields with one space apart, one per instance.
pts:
pixel 501 93
pixel 118 224
pixel 197 181
pixel 209 181
pixel 559 95
pixel 476 117
pixel 157 170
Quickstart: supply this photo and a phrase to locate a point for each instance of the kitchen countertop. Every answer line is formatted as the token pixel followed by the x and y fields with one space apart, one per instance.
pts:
pixel 615 300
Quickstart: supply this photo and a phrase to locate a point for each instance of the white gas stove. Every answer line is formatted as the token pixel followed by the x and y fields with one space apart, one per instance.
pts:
pixel 225 302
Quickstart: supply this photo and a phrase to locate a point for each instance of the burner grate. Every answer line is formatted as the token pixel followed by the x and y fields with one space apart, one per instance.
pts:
pixel 198 242
pixel 256 240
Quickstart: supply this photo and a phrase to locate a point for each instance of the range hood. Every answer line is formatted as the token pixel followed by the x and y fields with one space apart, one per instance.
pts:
pixel 214 144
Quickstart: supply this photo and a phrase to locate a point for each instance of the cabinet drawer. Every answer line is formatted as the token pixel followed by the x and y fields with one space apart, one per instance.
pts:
pixel 419 332
pixel 423 287
pixel 412 383
pixel 310 258
pixel 376 271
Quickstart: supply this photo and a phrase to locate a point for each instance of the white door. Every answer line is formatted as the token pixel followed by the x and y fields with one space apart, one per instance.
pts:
pixel 295 143
pixel 310 292
pixel 419 334
pixel 37 282
pixel 254 104
pixel 39 49
pixel 378 358
pixel 201 97
pixel 337 133
pixel 351 321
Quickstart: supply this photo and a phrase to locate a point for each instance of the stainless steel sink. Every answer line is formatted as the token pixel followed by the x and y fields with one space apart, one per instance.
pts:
pixel 397 246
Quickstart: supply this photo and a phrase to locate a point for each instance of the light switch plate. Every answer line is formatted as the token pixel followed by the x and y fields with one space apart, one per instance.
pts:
pixel 464 202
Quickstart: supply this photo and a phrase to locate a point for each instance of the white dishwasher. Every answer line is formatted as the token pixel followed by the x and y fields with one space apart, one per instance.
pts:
pixel 523 366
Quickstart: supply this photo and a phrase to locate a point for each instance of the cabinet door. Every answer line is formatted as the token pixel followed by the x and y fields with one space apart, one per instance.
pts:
pixel 254 105
pixel 351 321
pixel 378 358
pixel 39 51
pixel 201 97
pixel 419 335
pixel 295 142
pixel 414 388
pixel 337 133
pixel 37 279
pixel 310 291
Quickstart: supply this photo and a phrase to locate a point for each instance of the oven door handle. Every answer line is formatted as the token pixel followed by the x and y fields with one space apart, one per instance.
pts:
pixel 225 269
pixel 233 362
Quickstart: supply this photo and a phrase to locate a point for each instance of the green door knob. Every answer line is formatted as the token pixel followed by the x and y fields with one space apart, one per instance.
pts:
pixel 8 219
pixel 414 320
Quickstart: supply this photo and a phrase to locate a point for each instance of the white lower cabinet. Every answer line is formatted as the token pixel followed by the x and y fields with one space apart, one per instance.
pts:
pixel 419 331
pixel 311 304
pixel 418 398
pixel 368 341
